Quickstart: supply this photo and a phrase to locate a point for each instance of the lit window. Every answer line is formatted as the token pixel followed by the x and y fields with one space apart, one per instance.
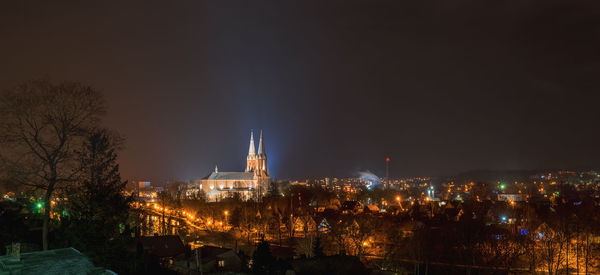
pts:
pixel 221 263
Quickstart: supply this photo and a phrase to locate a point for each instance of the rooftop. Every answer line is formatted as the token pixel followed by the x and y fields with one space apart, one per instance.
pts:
pixel 230 176
pixel 56 261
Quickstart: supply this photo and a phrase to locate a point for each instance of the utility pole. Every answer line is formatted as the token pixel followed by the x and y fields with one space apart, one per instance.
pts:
pixel 198 260
pixel 387 172
pixel 291 216
pixel 138 210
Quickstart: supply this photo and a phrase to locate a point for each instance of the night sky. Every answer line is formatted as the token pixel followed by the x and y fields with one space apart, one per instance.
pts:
pixel 441 87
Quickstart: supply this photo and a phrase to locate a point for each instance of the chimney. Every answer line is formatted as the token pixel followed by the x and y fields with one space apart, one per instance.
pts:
pixel 14 251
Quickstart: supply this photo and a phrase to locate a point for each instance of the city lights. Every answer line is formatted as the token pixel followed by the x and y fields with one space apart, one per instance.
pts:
pixel 219 138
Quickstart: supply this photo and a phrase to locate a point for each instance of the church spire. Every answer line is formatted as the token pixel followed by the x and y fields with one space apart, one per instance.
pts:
pixel 251 149
pixel 261 146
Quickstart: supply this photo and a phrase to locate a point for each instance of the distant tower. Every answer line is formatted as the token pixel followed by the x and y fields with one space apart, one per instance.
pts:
pixel 387 172
pixel 251 159
pixel 261 159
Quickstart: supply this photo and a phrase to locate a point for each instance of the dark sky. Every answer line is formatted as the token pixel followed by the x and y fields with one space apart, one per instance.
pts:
pixel 439 86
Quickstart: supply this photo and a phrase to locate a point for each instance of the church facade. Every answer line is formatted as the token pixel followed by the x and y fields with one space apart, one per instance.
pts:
pixel 253 183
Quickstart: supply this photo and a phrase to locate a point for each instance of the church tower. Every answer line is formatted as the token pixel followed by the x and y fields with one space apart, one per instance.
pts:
pixel 261 158
pixel 257 162
pixel 251 159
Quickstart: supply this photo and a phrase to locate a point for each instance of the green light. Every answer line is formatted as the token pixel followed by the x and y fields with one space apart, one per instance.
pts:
pixel 39 205
pixel 502 186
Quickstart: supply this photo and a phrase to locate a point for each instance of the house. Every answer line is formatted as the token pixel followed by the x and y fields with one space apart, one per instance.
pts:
pixel 304 225
pixel 371 208
pixel 408 229
pixel 210 259
pixel 166 247
pixel 394 210
pixel 452 213
pixel 332 207
pixel 324 226
pixel 511 197
pixel 217 259
pixel 351 207
pixel 55 261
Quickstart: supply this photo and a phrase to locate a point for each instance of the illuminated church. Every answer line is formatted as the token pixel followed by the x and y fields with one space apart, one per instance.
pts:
pixel 250 184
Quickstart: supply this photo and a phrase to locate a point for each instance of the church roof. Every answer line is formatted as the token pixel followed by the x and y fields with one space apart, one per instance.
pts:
pixel 251 149
pixel 230 176
pixel 261 146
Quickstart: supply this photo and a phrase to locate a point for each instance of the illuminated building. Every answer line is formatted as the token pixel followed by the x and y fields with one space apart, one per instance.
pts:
pixel 252 183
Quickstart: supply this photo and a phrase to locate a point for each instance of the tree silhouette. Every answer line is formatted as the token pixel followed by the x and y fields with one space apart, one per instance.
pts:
pixel 42 124
pixel 262 258
pixel 317 248
pixel 98 211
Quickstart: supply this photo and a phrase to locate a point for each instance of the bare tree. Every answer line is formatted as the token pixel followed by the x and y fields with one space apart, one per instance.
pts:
pixel 500 250
pixel 304 246
pixel 339 231
pixel 41 125
pixel 552 248
pixel 359 230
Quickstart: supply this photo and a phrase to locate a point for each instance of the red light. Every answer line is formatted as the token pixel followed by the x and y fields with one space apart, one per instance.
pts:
pixel 387 159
